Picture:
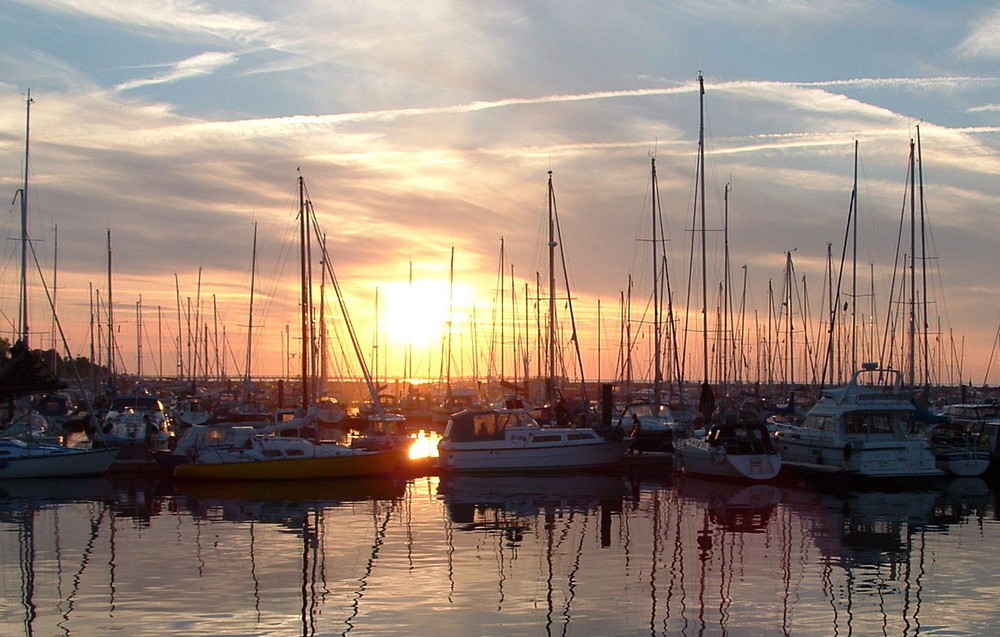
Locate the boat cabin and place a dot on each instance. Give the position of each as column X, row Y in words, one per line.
column 741, row 439
column 486, row 424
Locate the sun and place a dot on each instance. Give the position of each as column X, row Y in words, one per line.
column 415, row 313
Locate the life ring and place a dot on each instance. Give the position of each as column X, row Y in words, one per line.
column 719, row 455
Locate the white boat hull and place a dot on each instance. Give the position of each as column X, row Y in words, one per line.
column 695, row 458
column 965, row 464
column 866, row 458
column 503, row 456
column 60, row 462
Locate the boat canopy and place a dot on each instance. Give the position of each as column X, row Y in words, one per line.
column 473, row 425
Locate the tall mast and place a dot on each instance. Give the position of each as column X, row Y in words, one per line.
column 253, row 277
column 550, row 381
column 854, row 264
column 912, row 323
column 23, row 331
column 704, row 257
column 706, row 398
column 111, row 324
column 725, row 359
column 180, row 332
column 923, row 264
column 451, row 309
column 306, row 354
column 657, row 319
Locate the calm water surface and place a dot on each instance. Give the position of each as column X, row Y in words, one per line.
column 553, row 555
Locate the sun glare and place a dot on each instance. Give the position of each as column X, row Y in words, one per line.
column 424, row 446
column 415, row 313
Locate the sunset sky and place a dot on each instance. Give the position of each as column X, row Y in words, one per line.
column 422, row 128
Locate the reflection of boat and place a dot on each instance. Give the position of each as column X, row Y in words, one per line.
column 37, row 492
column 511, row 505
column 734, row 507
column 511, row 440
column 340, row 490
column 867, row 428
column 26, row 459
column 730, row 451
column 539, row 489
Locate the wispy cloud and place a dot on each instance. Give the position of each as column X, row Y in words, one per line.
column 170, row 15
column 202, row 64
column 984, row 40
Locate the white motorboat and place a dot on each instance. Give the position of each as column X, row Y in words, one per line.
column 982, row 420
column 137, row 419
column 269, row 453
column 191, row 411
column 958, row 452
column 741, row 451
column 652, row 424
column 867, row 428
column 511, row 440
column 27, row 459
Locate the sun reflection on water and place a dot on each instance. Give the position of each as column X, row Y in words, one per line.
column 424, row 445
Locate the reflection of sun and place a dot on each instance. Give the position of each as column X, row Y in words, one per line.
column 414, row 313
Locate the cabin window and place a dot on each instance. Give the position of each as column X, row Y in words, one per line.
column 547, row 438
column 580, row 436
column 869, row 423
column 882, row 423
column 272, row 453
column 820, row 423
column 295, row 452
column 486, row 426
column 856, row 423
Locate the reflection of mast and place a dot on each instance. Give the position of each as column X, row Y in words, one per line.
column 380, row 531
column 26, row 544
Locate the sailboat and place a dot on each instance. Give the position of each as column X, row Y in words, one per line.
column 872, row 427
column 652, row 422
column 492, row 439
column 734, row 451
column 23, row 456
column 285, row 451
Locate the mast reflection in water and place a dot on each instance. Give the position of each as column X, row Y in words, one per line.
column 490, row 555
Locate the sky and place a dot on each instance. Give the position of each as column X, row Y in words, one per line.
column 425, row 133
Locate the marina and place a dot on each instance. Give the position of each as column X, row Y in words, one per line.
column 658, row 319
column 620, row 553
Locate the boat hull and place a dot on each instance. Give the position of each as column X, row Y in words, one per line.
column 341, row 466
column 485, row 457
column 64, row 464
column 698, row 460
column 966, row 464
column 866, row 459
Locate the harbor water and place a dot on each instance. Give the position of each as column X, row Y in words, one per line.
column 611, row 554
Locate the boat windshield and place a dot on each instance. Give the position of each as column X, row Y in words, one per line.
column 468, row 426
